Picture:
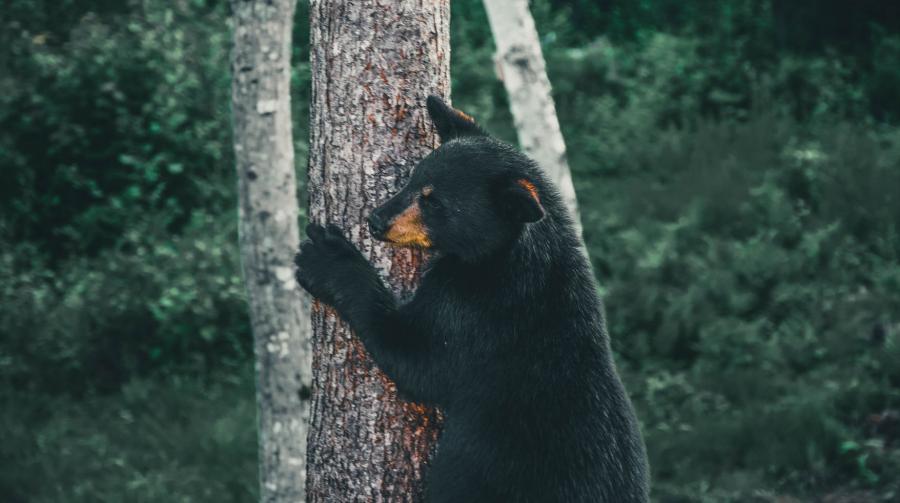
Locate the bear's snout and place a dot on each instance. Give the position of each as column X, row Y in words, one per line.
column 399, row 224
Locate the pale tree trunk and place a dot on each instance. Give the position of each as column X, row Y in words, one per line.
column 268, row 210
column 521, row 67
column 373, row 65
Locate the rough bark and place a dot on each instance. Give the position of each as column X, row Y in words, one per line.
column 373, row 64
column 268, row 210
column 521, row 67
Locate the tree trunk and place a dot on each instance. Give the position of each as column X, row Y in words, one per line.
column 521, row 67
column 373, row 64
column 268, row 211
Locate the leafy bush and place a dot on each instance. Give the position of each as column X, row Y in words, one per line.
column 157, row 301
column 751, row 282
column 177, row 438
column 736, row 188
column 119, row 117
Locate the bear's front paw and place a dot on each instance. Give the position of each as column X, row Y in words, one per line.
column 326, row 261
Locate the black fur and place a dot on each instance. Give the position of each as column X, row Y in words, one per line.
column 505, row 332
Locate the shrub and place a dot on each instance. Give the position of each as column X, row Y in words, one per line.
column 157, row 301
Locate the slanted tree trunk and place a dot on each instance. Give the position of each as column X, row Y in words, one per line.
column 269, row 236
column 521, row 67
column 373, row 64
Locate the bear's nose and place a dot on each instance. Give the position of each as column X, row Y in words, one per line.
column 377, row 225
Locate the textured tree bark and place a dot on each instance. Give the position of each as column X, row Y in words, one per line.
column 268, row 211
column 521, row 67
column 373, row 64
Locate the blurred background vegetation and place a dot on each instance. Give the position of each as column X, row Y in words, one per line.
column 738, row 169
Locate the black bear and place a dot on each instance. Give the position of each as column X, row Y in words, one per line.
column 505, row 333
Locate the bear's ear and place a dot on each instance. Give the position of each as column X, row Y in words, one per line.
column 523, row 201
column 450, row 122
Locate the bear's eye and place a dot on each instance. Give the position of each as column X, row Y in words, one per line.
column 428, row 199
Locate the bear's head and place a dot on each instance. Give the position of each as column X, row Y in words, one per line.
column 469, row 197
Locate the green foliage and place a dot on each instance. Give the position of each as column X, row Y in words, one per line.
column 178, row 438
column 158, row 300
column 736, row 171
column 119, row 117
column 753, row 309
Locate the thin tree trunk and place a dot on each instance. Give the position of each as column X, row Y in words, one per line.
column 373, row 64
column 268, row 210
column 521, row 67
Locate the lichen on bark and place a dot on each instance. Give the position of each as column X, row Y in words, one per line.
column 268, row 208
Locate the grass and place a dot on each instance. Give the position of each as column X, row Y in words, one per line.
column 166, row 438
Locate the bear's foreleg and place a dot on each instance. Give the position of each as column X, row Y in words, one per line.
column 335, row 272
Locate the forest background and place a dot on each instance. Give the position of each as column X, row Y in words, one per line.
column 737, row 164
